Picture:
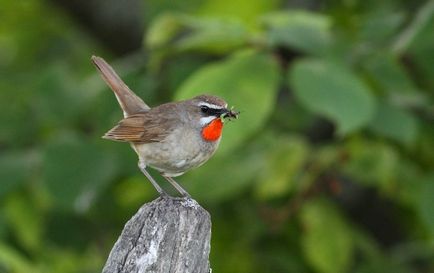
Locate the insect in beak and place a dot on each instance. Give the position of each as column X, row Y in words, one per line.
column 229, row 114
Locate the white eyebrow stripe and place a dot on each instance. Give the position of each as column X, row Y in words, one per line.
column 205, row 120
column 212, row 106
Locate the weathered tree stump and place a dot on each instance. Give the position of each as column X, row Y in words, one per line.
column 167, row 235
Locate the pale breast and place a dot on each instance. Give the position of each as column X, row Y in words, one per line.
column 181, row 151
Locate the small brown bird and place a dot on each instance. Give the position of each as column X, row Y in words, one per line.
column 171, row 138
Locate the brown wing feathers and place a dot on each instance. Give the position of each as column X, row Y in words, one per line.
column 128, row 129
column 139, row 128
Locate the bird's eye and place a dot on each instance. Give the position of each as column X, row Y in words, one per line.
column 204, row 109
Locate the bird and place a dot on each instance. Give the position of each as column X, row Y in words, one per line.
column 171, row 138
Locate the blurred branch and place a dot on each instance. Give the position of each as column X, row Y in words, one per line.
column 167, row 235
column 420, row 20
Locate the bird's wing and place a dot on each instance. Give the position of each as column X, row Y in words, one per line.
column 128, row 100
column 140, row 128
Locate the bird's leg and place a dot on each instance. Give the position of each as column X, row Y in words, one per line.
column 142, row 167
column 176, row 185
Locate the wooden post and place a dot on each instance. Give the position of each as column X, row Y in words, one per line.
column 167, row 235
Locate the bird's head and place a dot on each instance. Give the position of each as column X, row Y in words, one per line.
column 212, row 112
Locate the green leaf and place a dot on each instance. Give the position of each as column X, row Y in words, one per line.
column 248, row 81
column 395, row 123
column 285, row 159
column 305, row 31
column 379, row 25
column 326, row 241
column 390, row 74
column 179, row 33
column 76, row 172
column 246, row 10
column 393, row 80
column 332, row 90
column 421, row 52
column 25, row 220
column 13, row 260
column 372, row 163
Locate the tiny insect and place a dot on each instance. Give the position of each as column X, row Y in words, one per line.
column 232, row 114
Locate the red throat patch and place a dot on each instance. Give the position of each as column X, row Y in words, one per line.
column 213, row 130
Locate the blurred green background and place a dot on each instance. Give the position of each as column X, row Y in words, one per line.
column 329, row 169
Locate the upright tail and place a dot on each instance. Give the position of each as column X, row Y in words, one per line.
column 129, row 102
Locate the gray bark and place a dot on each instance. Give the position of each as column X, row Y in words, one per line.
column 167, row 235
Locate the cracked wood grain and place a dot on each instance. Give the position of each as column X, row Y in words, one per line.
column 170, row 235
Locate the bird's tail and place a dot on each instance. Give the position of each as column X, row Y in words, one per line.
column 129, row 102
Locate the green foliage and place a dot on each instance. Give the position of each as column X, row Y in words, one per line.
column 426, row 203
column 395, row 123
column 16, row 168
column 68, row 183
column 329, row 89
column 327, row 240
column 284, row 162
column 180, row 33
column 304, row 31
column 328, row 169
